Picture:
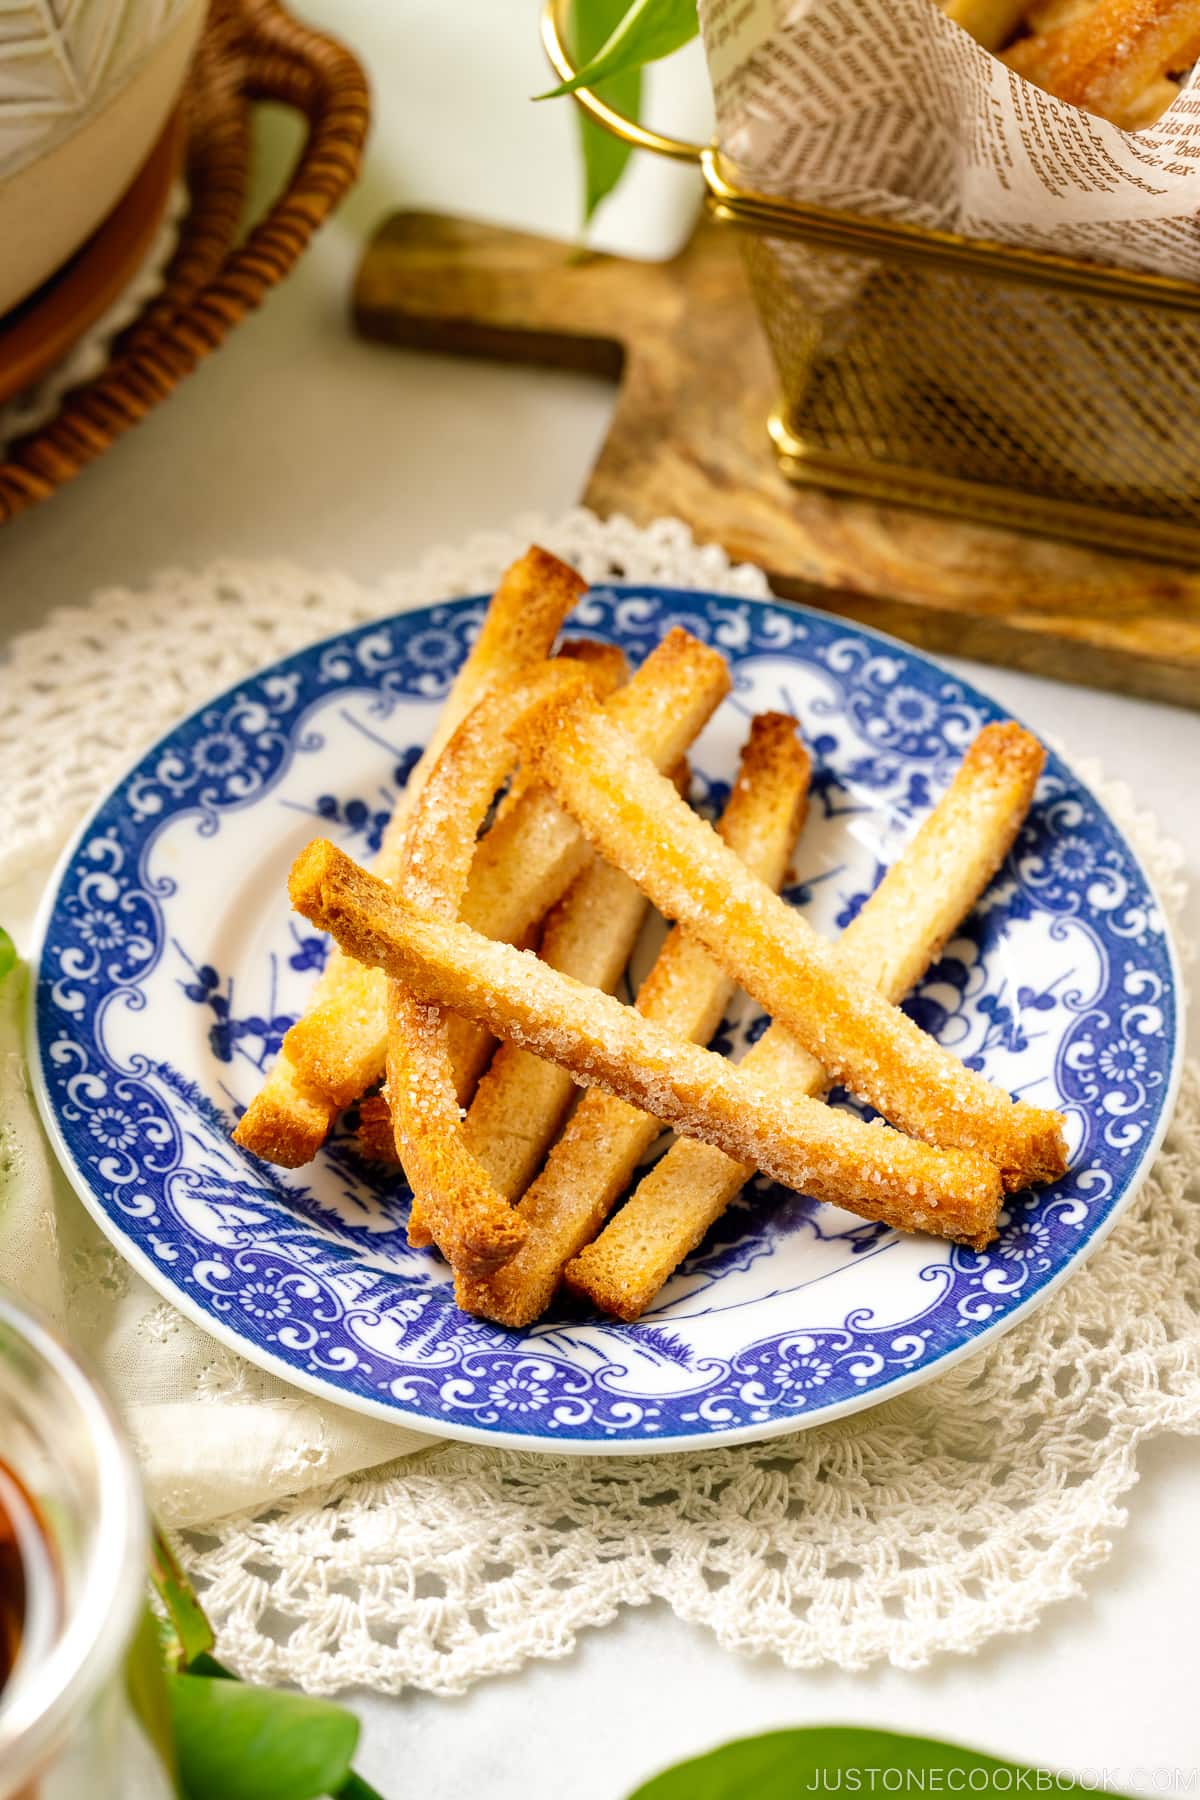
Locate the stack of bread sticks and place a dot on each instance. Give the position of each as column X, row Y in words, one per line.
column 1120, row 59
column 521, row 934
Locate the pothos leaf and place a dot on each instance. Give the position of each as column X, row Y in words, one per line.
column 146, row 1685
column 192, row 1632
column 249, row 1743
column 8, row 953
column 592, row 23
column 644, row 32
column 783, row 1764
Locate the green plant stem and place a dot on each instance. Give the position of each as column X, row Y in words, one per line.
column 355, row 1788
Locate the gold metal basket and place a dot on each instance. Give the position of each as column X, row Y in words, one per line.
column 972, row 378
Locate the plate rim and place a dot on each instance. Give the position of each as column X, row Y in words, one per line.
column 157, row 1276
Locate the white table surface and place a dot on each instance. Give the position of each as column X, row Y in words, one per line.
column 298, row 441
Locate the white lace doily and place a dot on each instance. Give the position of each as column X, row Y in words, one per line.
column 954, row 1512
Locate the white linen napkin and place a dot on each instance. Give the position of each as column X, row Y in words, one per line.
column 213, row 1434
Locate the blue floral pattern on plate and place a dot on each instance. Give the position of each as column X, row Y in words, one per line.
column 170, row 969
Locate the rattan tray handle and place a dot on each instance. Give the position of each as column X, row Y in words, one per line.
column 252, row 51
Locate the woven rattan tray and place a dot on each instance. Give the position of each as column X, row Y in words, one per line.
column 251, row 51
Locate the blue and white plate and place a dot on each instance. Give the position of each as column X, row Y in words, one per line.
column 170, row 969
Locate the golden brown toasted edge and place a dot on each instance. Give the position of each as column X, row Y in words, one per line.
column 592, row 1162
column 634, row 818
column 819, row 1150
column 1008, row 750
column 646, row 704
column 289, row 1118
column 899, row 932
column 286, row 1122
column 1114, row 59
column 774, row 759
column 607, row 664
column 532, row 598
column 472, row 1225
column 374, row 1135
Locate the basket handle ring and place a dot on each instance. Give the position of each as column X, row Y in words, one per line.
column 639, row 137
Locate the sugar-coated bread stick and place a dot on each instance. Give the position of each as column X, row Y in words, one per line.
column 900, row 930
column 1111, row 57
column 289, row 1119
column 638, row 822
column 685, row 991
column 521, row 1101
column 340, row 1044
column 598, row 895
column 532, row 854
column 816, row 1149
column 453, row 1199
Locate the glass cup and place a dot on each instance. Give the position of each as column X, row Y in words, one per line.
column 73, row 1530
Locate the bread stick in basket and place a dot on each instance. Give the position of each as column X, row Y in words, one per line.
column 901, row 929
column 1114, row 58
column 636, row 819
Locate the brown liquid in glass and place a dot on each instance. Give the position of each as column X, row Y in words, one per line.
column 12, row 1587
column 26, row 1567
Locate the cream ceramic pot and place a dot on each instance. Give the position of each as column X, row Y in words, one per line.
column 85, row 88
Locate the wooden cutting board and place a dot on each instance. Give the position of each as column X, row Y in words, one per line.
column 688, row 438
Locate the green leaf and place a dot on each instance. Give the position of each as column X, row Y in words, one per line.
column 193, row 1633
column 836, row 1759
column 146, row 1685
column 592, row 23
column 645, row 32
column 355, row 1788
column 248, row 1743
column 8, row 953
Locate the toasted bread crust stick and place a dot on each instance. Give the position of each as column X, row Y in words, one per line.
column 535, row 849
column 1113, row 57
column 289, row 1118
column 529, row 859
column 341, row 1045
column 453, row 1197
column 819, row 1150
column 901, row 929
column 686, row 991
column 521, row 1101
column 638, row 822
